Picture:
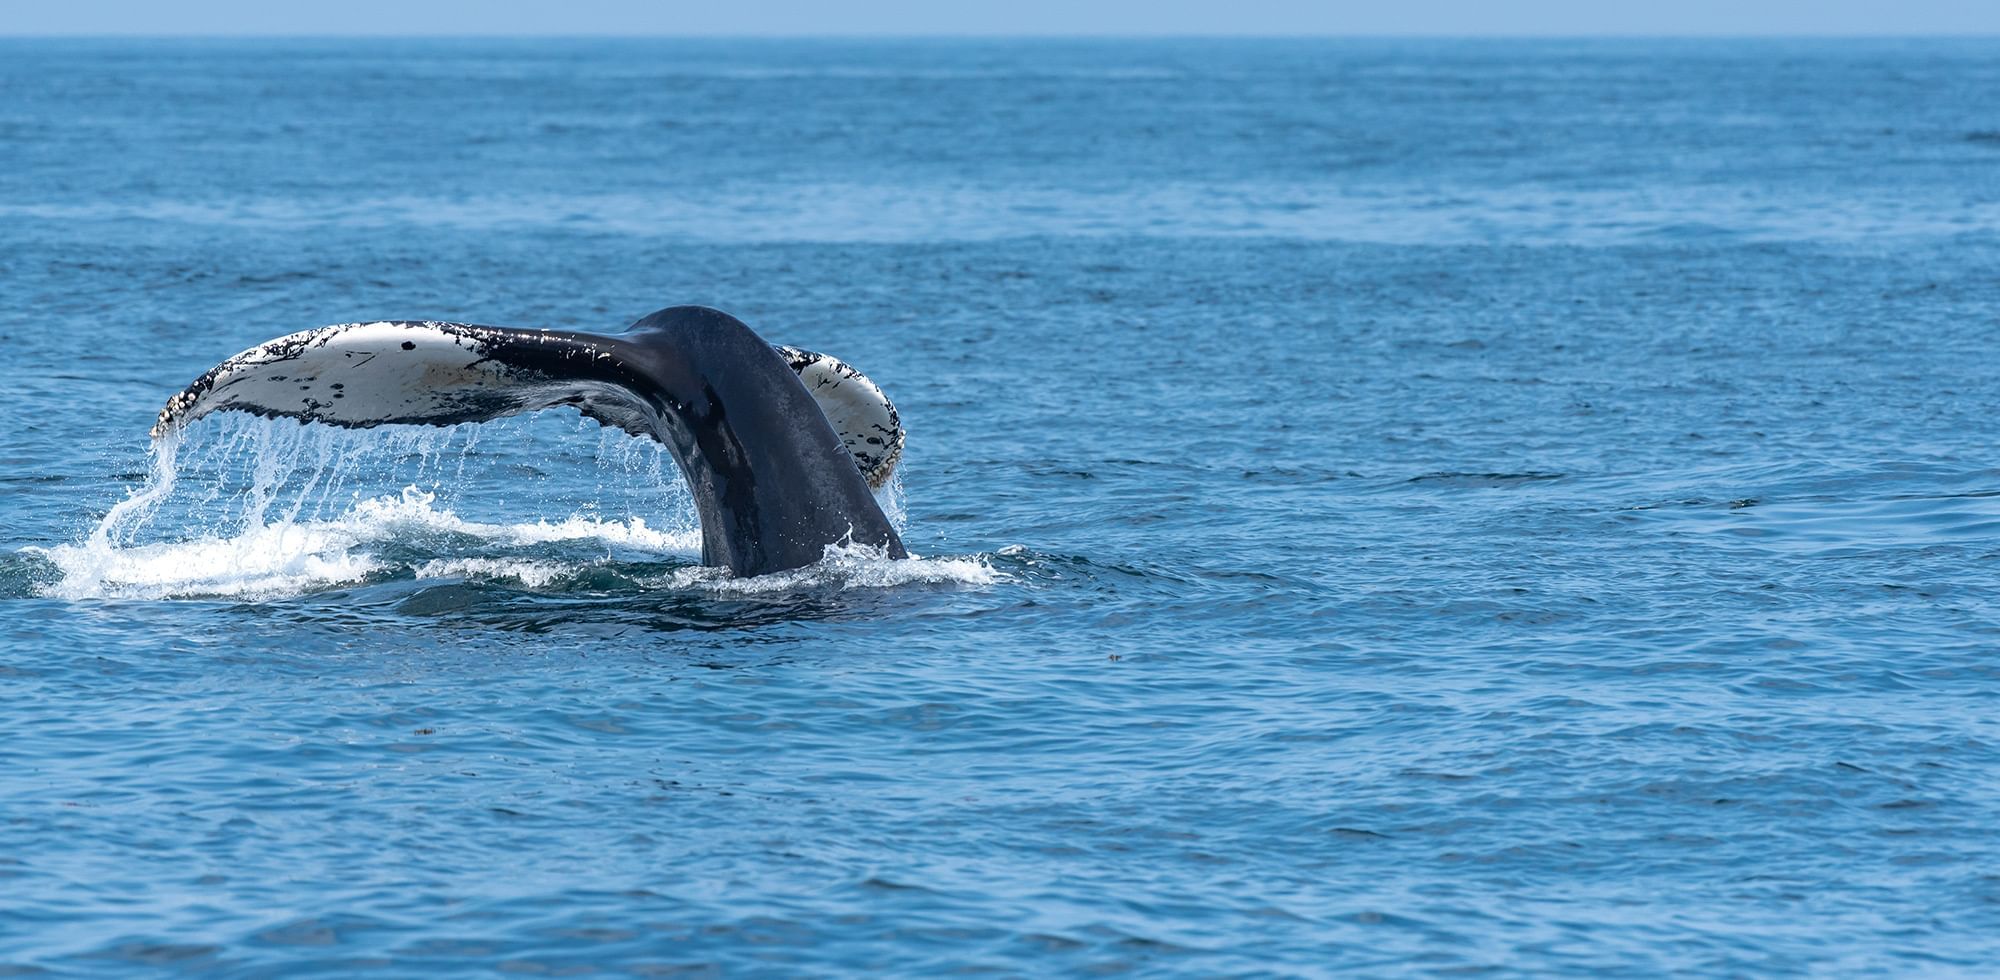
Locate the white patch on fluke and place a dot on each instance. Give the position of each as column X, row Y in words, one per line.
column 857, row 409
column 356, row 374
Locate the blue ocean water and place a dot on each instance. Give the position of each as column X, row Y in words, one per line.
column 1522, row 507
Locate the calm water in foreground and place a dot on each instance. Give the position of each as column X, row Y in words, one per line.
column 1384, row 506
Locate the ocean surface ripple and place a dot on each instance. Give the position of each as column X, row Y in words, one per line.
column 1396, row 507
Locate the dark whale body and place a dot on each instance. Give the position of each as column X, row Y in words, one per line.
column 773, row 482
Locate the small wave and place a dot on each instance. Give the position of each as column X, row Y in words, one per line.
column 1831, row 526
column 844, row 567
column 530, row 572
column 1493, row 480
column 413, row 511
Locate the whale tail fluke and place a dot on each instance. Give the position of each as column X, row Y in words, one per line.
column 780, row 446
column 409, row 372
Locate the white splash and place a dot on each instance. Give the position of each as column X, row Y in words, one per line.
column 530, row 572
column 270, row 561
column 844, row 567
column 890, row 498
column 252, row 509
column 291, row 557
column 414, row 513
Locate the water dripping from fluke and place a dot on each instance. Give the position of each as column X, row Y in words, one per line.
column 243, row 508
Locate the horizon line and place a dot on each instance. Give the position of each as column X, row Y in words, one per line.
column 994, row 36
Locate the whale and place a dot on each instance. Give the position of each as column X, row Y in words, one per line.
column 781, row 447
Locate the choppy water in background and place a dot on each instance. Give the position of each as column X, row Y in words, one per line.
column 1391, row 506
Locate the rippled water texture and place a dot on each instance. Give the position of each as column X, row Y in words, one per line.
column 1388, row 506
